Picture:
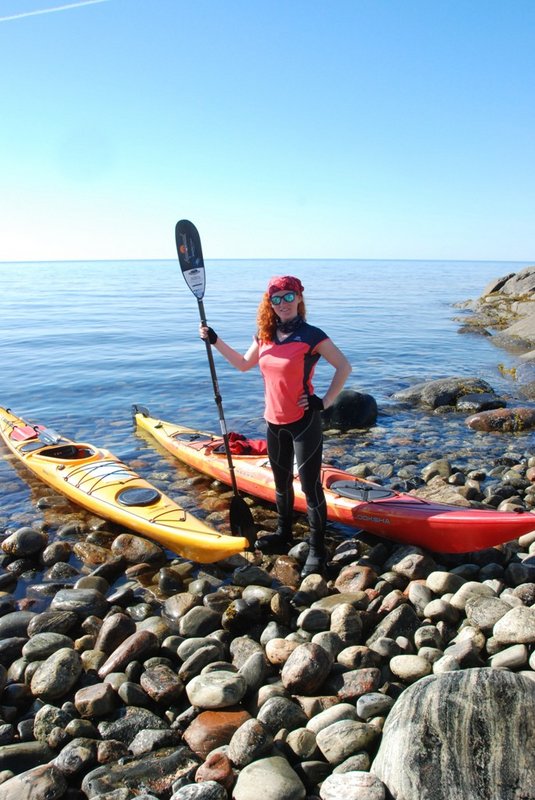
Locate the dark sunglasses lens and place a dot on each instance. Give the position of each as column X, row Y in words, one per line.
column 289, row 297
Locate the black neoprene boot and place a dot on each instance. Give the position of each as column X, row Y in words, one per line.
column 315, row 562
column 278, row 542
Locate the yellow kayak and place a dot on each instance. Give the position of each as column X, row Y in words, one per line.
column 98, row 481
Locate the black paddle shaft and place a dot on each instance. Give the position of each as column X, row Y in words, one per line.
column 188, row 245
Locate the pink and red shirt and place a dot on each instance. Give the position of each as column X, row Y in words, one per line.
column 287, row 368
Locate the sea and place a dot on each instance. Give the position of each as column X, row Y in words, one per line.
column 83, row 341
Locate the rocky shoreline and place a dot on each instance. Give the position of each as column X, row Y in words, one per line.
column 401, row 673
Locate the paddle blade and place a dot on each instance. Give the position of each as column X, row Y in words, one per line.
column 241, row 520
column 188, row 245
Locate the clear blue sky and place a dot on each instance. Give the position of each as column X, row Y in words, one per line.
column 282, row 128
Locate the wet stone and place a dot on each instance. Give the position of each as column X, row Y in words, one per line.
column 83, row 602
column 95, row 701
column 216, row 690
column 53, row 622
column 114, row 630
column 162, row 684
column 199, row 621
column 25, row 542
column 15, row 624
column 55, row 677
column 43, row 645
column 137, row 646
column 136, row 550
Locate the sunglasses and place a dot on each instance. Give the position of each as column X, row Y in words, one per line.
column 289, row 297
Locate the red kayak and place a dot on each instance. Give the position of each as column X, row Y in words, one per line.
column 351, row 501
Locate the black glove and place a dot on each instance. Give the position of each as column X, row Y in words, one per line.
column 315, row 403
column 212, row 336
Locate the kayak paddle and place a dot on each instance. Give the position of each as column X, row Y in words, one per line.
column 188, row 245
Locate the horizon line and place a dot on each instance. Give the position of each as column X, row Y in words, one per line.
column 260, row 258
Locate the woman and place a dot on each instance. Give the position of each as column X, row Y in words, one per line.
column 286, row 348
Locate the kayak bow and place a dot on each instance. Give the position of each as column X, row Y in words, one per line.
column 98, row 481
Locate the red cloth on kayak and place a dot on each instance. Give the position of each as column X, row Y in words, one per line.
column 242, row 446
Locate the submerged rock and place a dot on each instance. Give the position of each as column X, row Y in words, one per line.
column 510, row 420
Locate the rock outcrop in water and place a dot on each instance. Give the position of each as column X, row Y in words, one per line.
column 506, row 311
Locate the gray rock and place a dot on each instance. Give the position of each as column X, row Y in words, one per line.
column 345, row 738
column 484, row 612
column 15, row 624
column 514, row 658
column 474, row 731
column 127, row 727
column 273, row 777
column 77, row 756
column 25, row 542
column 341, row 711
column 40, row 783
column 206, row 790
column 84, row 602
column 374, row 704
column 55, row 677
column 250, row 742
column 402, row 621
column 442, row 392
column 355, row 785
column 280, row 712
column 306, row 669
column 216, row 689
column 516, row 627
column 43, row 645
column 156, row 772
column 24, row 755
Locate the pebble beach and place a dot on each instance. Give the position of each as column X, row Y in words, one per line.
column 128, row 672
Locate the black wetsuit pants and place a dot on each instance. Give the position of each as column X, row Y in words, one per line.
column 304, row 439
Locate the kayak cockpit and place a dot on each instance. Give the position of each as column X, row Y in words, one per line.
column 356, row 491
column 68, row 452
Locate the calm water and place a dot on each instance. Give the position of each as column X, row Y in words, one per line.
column 82, row 341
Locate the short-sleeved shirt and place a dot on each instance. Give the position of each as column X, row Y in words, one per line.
column 287, row 368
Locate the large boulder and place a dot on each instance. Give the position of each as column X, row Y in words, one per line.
column 461, row 735
column 351, row 409
column 444, row 392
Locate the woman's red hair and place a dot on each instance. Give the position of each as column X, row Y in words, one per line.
column 266, row 318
